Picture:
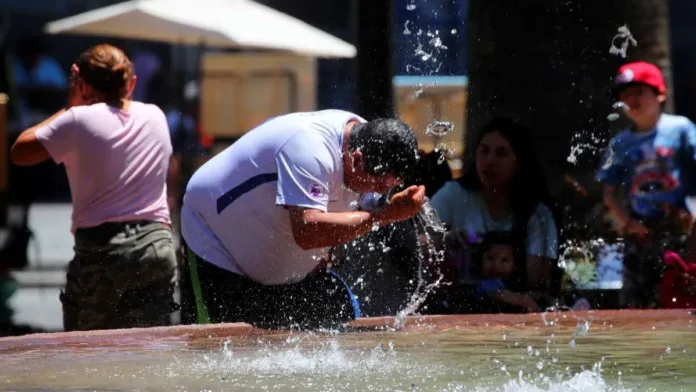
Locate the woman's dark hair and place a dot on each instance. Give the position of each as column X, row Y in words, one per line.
column 529, row 187
column 107, row 69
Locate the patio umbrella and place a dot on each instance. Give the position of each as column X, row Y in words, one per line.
column 213, row 23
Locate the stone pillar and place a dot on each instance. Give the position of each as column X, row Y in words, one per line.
column 374, row 61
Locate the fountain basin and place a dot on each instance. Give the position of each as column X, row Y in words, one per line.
column 593, row 351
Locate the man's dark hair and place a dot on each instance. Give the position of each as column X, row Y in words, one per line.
column 388, row 146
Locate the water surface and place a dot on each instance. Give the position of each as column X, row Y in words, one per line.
column 450, row 354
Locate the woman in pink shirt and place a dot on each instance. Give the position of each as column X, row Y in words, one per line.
column 116, row 152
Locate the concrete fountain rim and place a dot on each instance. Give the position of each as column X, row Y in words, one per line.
column 430, row 323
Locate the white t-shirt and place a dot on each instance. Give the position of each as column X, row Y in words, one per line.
column 465, row 210
column 116, row 162
column 233, row 213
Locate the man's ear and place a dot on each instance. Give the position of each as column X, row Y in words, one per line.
column 661, row 98
column 356, row 157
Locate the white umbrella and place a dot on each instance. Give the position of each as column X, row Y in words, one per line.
column 217, row 23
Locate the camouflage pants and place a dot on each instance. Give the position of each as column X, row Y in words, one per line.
column 643, row 259
column 123, row 276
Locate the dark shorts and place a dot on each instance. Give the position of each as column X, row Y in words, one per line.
column 123, row 276
column 321, row 300
column 643, row 260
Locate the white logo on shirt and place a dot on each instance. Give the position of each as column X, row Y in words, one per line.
column 626, row 76
column 315, row 190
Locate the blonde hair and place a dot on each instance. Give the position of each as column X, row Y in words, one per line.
column 107, row 69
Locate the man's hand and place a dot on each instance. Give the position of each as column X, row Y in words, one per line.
column 403, row 205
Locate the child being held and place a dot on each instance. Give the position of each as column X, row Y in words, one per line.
column 496, row 262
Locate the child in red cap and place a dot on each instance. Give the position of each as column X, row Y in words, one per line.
column 643, row 163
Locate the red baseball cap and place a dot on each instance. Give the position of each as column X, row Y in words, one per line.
column 641, row 72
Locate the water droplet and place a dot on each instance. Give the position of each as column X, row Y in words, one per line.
column 454, row 31
column 411, row 7
column 539, row 365
column 668, row 350
column 626, row 38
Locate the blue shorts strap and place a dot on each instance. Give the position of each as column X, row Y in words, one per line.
column 353, row 299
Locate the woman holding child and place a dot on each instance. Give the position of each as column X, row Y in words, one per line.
column 504, row 191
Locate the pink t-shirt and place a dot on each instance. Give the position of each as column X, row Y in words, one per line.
column 116, row 162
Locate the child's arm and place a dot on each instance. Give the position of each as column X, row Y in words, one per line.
column 611, row 174
column 626, row 224
column 516, row 299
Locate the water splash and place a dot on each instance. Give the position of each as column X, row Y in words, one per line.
column 619, row 109
column 293, row 357
column 582, row 326
column 428, row 221
column 619, row 46
column 439, row 128
column 428, row 47
column 625, row 38
column 447, row 152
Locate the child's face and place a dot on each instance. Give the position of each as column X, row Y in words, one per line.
column 498, row 261
column 643, row 101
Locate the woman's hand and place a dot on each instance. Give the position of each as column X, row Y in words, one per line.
column 76, row 93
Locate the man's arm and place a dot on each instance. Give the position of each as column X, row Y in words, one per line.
column 313, row 228
column 27, row 149
column 317, row 229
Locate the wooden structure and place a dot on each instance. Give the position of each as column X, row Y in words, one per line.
column 239, row 91
column 419, row 100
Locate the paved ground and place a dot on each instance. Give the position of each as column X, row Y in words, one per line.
column 36, row 303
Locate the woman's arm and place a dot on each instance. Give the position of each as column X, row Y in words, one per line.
column 516, row 299
column 539, row 273
column 27, row 149
column 541, row 249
